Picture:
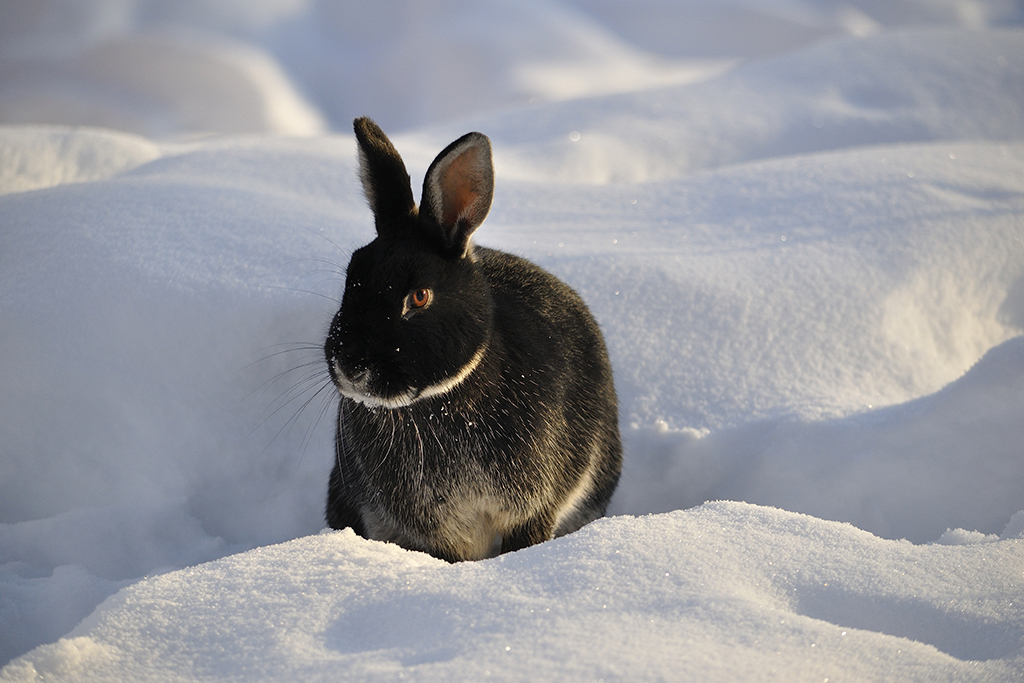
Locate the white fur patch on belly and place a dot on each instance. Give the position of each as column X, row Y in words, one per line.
column 474, row 527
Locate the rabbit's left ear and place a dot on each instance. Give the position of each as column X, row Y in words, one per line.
column 457, row 191
column 385, row 180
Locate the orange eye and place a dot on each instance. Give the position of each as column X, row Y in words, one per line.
column 419, row 298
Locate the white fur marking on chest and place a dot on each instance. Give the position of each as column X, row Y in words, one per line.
column 444, row 386
column 357, row 391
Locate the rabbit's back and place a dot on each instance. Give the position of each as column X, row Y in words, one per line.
column 547, row 329
column 555, row 364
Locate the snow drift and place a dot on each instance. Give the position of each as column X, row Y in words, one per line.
column 723, row 592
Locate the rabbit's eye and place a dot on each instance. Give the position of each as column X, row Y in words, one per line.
column 415, row 301
column 418, row 298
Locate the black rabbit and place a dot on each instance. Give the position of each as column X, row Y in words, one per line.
column 478, row 414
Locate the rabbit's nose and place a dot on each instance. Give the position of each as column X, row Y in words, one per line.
column 348, row 375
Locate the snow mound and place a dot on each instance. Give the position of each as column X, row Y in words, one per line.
column 160, row 84
column 761, row 28
column 226, row 66
column 32, row 158
column 723, row 592
column 469, row 56
column 909, row 471
column 815, row 286
column 890, row 88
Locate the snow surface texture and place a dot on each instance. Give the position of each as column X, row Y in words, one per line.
column 800, row 224
column 727, row 591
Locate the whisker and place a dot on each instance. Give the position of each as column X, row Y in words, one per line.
column 419, row 440
column 391, row 443
column 290, row 422
column 326, row 403
column 330, row 241
column 341, row 441
column 321, row 372
column 295, row 393
column 283, row 348
column 336, row 266
column 305, row 291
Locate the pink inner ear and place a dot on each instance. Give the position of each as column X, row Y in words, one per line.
column 459, row 189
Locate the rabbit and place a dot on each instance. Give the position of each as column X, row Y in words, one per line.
column 478, row 414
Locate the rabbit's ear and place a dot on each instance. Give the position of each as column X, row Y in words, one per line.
column 458, row 189
column 385, row 180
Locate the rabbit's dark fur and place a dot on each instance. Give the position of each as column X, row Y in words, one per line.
column 478, row 414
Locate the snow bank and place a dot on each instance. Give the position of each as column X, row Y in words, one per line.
column 761, row 28
column 33, row 158
column 160, row 84
column 816, row 286
column 416, row 63
column 723, row 592
column 891, row 88
column 911, row 471
column 287, row 66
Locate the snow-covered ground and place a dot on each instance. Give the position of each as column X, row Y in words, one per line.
column 799, row 223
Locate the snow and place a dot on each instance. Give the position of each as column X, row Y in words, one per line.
column 726, row 591
column 800, row 225
column 36, row 158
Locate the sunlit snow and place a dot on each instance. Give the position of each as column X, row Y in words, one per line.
column 799, row 224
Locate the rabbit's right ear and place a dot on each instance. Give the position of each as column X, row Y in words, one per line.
column 457, row 191
column 385, row 180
